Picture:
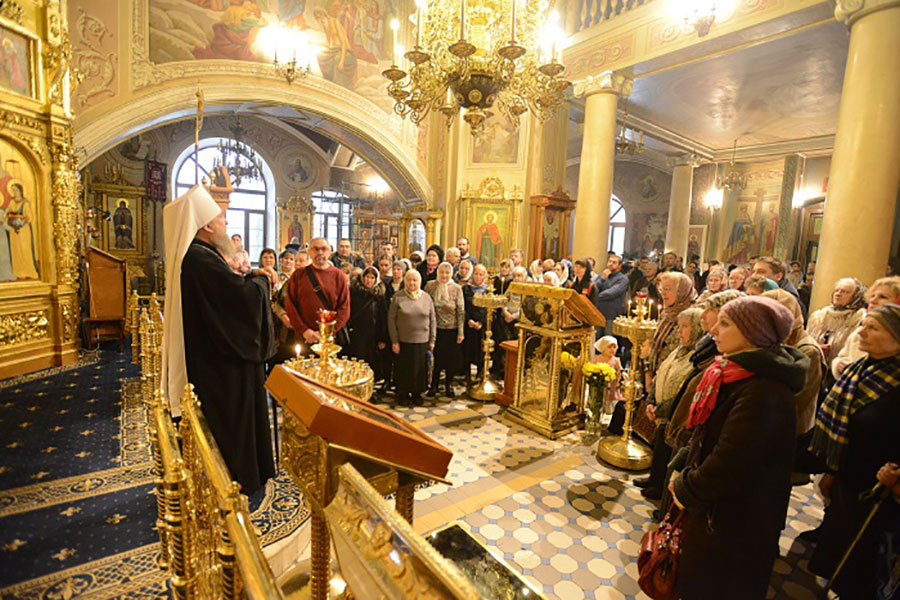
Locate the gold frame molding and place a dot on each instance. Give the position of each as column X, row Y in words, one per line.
column 492, row 193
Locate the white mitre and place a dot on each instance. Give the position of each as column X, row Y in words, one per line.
column 182, row 219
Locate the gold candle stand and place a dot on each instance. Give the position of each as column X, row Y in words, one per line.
column 623, row 450
column 487, row 388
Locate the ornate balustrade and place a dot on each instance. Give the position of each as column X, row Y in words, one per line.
column 207, row 542
column 578, row 15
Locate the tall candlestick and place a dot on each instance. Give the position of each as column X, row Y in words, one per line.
column 629, row 308
column 395, row 25
column 513, row 37
column 462, row 19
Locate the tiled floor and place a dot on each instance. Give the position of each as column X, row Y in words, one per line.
column 568, row 523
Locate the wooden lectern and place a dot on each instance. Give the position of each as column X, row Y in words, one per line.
column 106, row 298
column 325, row 427
column 556, row 328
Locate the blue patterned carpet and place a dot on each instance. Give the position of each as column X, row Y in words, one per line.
column 77, row 510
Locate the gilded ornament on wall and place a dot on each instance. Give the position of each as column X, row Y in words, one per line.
column 23, row 327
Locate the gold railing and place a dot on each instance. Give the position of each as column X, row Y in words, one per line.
column 578, row 15
column 136, row 304
column 208, row 545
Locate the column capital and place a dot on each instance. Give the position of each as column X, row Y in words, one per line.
column 688, row 159
column 849, row 12
column 607, row 82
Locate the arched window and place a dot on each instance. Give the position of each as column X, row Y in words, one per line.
column 334, row 213
column 616, row 226
column 251, row 213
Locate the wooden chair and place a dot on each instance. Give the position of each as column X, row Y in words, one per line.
column 106, row 298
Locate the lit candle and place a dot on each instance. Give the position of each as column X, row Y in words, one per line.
column 462, row 19
column 297, row 349
column 395, row 25
column 514, row 20
column 629, row 308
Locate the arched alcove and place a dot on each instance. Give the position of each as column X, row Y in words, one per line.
column 324, row 107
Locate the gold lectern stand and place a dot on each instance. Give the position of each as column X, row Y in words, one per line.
column 487, row 389
column 556, row 326
column 623, row 451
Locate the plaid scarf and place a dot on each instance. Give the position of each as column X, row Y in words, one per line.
column 862, row 383
column 720, row 371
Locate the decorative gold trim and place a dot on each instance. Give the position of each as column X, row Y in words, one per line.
column 18, row 328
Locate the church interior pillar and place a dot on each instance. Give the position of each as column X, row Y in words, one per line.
column 598, row 154
column 865, row 167
column 786, row 206
column 679, row 209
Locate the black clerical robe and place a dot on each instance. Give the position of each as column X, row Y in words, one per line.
column 227, row 339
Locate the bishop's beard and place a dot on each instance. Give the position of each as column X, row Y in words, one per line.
column 222, row 242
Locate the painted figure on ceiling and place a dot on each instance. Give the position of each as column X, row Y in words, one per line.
column 336, row 61
column 290, row 13
column 20, row 217
column 234, row 35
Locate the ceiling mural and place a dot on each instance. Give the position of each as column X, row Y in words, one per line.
column 352, row 48
column 788, row 88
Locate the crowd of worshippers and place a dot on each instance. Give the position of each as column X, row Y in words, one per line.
column 745, row 395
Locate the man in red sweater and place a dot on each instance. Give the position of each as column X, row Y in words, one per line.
column 302, row 302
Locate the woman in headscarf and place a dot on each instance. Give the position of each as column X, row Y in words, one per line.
column 367, row 326
column 677, row 437
column 831, row 325
column 550, row 278
column 856, row 435
column 450, row 309
column 671, row 375
column 476, row 318
column 391, row 287
column 562, row 272
column 536, row 270
column 463, row 272
column 428, row 269
column 676, row 291
column 884, row 291
column 736, row 486
column 606, row 348
column 503, row 278
column 716, row 281
column 412, row 326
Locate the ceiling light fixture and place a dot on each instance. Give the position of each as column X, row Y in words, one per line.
column 734, row 179
column 491, row 53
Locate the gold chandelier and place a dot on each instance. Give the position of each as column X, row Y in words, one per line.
column 501, row 54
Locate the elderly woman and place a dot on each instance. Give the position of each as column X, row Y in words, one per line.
column 884, row 291
column 428, row 269
column 550, row 278
column 735, row 488
column 831, row 325
column 671, row 375
column 464, row 272
column 391, row 287
column 366, row 326
column 856, row 434
column 504, row 324
column 716, row 281
column 736, row 278
column 503, row 278
column 412, row 326
column 450, row 309
column 536, row 270
column 476, row 318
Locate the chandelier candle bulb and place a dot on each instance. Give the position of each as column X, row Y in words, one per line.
column 513, row 36
column 395, row 25
column 462, row 19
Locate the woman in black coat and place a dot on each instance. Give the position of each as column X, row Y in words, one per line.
column 736, row 486
column 476, row 319
column 856, row 435
column 367, row 325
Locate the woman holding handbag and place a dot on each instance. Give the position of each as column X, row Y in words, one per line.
column 736, row 484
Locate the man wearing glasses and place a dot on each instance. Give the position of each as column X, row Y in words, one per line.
column 318, row 285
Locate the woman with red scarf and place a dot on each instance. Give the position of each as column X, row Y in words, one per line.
column 736, row 484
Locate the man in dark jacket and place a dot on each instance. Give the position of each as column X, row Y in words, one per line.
column 774, row 269
column 345, row 254
column 612, row 286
